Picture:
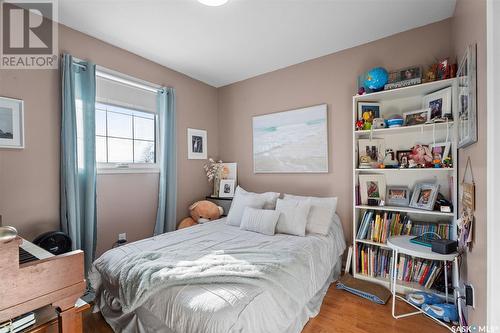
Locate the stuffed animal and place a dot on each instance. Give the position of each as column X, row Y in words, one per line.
column 421, row 155
column 201, row 212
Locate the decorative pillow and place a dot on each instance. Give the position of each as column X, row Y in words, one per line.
column 270, row 197
column 260, row 220
column 240, row 202
column 321, row 214
column 293, row 216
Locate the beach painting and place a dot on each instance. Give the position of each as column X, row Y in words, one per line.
column 293, row 141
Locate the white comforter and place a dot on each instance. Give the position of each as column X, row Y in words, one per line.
column 271, row 305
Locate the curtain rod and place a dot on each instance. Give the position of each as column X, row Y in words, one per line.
column 116, row 78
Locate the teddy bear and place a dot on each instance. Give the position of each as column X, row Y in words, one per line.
column 421, row 155
column 201, row 212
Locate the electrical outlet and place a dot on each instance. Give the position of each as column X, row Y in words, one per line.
column 122, row 237
column 469, row 295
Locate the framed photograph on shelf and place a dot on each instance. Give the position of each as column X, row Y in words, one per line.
column 440, row 104
column 467, row 117
column 368, row 111
column 230, row 171
column 197, row 144
column 403, row 158
column 370, row 152
column 417, row 117
column 226, row 188
column 440, row 150
column 11, row 123
column 398, row 196
column 424, row 196
column 372, row 187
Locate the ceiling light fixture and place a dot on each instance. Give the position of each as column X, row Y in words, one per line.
column 213, row 3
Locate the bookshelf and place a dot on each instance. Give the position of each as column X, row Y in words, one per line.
column 392, row 102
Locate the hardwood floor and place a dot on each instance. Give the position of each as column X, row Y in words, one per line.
column 340, row 312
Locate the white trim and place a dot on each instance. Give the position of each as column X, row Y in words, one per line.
column 493, row 160
column 126, row 79
column 107, row 171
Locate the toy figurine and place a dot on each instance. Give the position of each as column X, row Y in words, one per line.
column 361, row 91
column 359, row 125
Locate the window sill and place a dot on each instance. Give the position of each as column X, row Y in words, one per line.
column 109, row 171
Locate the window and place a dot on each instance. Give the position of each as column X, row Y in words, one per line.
column 125, row 136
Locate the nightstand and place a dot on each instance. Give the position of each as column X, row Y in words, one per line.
column 402, row 245
column 225, row 203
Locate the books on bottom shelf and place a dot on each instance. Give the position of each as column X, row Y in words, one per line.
column 376, row 262
column 18, row 324
column 378, row 226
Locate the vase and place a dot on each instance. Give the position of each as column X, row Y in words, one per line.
column 216, row 187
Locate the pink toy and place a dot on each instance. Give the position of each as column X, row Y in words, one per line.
column 421, row 155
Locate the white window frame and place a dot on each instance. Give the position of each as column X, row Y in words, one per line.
column 112, row 168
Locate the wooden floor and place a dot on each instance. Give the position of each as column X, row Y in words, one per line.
column 340, row 312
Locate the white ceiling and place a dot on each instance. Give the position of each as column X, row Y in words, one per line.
column 244, row 38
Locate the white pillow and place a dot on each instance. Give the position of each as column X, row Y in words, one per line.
column 321, row 214
column 259, row 220
column 270, row 197
column 240, row 202
column 293, row 217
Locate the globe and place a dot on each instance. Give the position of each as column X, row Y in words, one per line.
column 376, row 78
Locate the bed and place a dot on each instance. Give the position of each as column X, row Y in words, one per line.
column 279, row 302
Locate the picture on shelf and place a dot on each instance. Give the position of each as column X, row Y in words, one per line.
column 398, row 196
column 439, row 103
column 372, row 187
column 424, row 196
column 420, row 155
column 368, row 111
column 403, row 158
column 226, row 188
column 417, row 117
column 440, row 151
column 370, row 151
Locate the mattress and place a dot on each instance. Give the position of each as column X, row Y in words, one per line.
column 224, row 307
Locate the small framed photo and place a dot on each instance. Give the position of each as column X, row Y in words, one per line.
column 440, row 150
column 424, row 196
column 197, row 144
column 230, row 171
column 372, row 187
column 226, row 188
column 417, row 117
column 11, row 123
column 403, row 157
column 370, row 151
column 368, row 111
column 440, row 104
column 398, row 196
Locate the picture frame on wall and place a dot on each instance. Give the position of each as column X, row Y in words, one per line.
column 424, row 196
column 197, row 144
column 467, row 107
column 439, row 103
column 11, row 123
column 372, row 187
column 226, row 188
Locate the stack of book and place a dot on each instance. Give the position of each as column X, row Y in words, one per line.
column 18, row 324
column 378, row 226
column 374, row 261
column 422, row 271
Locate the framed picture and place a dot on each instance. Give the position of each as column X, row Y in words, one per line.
column 424, row 196
column 226, row 188
column 403, row 158
column 467, row 117
column 293, row 141
column 417, row 117
column 11, row 123
column 230, row 171
column 368, row 111
column 197, row 144
column 440, row 150
column 371, row 187
column 370, row 151
column 440, row 104
column 398, row 196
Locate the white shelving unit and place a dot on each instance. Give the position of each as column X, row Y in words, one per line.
column 399, row 101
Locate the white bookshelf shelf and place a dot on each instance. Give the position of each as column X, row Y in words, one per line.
column 399, row 101
column 404, row 210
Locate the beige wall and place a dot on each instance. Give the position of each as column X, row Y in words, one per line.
column 29, row 178
column 469, row 26
column 332, row 80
